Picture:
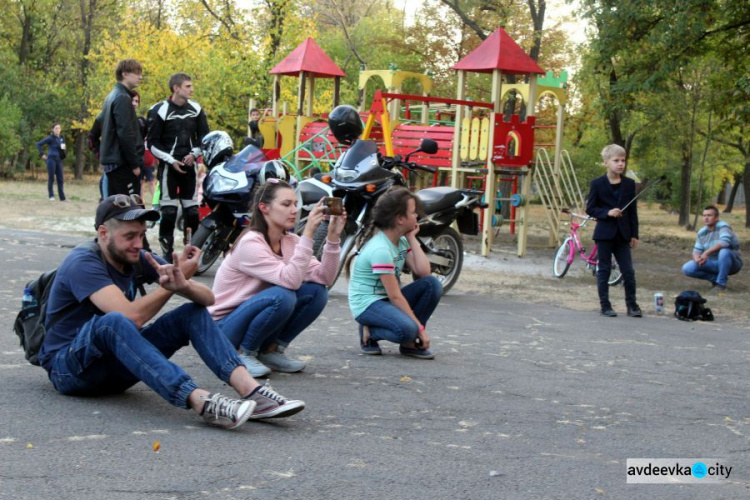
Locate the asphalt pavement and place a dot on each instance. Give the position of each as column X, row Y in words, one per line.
column 522, row 401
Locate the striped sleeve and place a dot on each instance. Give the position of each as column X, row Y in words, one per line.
column 381, row 262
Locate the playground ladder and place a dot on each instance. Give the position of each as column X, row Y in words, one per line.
column 557, row 190
column 329, row 156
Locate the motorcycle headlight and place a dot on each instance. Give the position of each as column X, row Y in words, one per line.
column 218, row 182
column 345, row 175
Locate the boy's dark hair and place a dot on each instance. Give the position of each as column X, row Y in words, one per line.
column 712, row 207
column 178, row 79
column 254, row 110
column 127, row 66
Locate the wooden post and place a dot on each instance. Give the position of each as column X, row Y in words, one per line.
column 336, row 90
column 276, row 93
column 250, row 105
column 311, row 96
column 456, row 153
column 300, row 113
column 559, row 137
column 523, row 211
column 301, row 94
column 425, row 111
column 490, row 189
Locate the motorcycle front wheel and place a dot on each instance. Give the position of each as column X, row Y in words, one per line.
column 212, row 244
column 448, row 244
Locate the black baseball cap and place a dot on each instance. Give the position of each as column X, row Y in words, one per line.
column 123, row 207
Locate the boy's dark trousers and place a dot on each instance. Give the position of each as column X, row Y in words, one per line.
column 620, row 248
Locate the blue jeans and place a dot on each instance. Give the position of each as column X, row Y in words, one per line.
column 620, row 248
column 55, row 170
column 274, row 316
column 388, row 322
column 110, row 354
column 715, row 270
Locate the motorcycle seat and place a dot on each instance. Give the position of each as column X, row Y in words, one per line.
column 438, row 199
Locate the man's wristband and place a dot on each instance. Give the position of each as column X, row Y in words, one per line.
column 421, row 328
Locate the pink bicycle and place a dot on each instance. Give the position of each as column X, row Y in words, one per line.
column 572, row 244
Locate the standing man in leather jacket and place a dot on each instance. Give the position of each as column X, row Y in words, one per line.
column 176, row 127
column 121, row 151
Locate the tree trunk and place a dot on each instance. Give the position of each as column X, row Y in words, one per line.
column 536, row 10
column 87, row 26
column 80, row 145
column 746, row 187
column 736, row 181
column 27, row 36
column 613, row 117
column 685, row 172
column 722, row 194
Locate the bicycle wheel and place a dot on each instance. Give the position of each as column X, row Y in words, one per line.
column 615, row 277
column 561, row 264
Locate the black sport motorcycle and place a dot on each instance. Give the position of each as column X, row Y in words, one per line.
column 362, row 175
column 228, row 189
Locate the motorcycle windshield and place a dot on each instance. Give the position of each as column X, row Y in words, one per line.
column 359, row 151
column 249, row 159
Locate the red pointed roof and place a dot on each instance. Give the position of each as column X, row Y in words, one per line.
column 310, row 58
column 498, row 51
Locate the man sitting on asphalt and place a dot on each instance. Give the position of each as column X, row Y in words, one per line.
column 96, row 342
column 716, row 254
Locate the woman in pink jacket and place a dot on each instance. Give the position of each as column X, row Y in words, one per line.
column 270, row 287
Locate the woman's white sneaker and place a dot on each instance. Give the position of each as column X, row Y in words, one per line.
column 280, row 362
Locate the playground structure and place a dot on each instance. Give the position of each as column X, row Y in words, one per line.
column 479, row 144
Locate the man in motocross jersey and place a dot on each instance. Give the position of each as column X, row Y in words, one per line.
column 175, row 129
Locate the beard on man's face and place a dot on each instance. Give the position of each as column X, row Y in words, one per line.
column 119, row 256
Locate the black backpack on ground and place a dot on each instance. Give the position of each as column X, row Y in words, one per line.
column 689, row 306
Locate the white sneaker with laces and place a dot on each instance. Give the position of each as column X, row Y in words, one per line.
column 271, row 404
column 226, row 412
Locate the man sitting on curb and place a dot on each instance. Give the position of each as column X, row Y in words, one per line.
column 96, row 342
column 716, row 253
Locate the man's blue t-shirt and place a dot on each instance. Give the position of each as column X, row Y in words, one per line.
column 83, row 273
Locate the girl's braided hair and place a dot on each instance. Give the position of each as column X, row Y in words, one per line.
column 392, row 204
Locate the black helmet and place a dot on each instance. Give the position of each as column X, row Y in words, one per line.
column 345, row 123
column 217, row 147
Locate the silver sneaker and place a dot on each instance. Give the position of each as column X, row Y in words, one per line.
column 255, row 367
column 280, row 362
column 226, row 412
column 271, row 404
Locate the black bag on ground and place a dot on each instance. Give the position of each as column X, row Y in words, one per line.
column 29, row 325
column 689, row 306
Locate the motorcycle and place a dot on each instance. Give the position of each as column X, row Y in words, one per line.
column 362, row 175
column 228, row 190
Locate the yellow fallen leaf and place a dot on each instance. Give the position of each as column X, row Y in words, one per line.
column 157, row 446
column 406, row 378
column 29, row 446
column 600, row 491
